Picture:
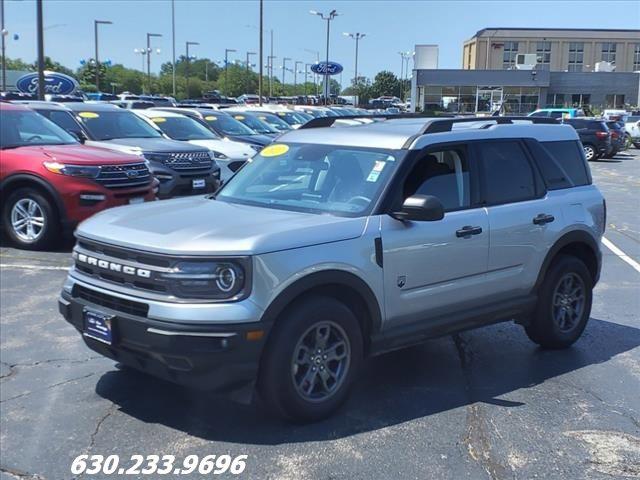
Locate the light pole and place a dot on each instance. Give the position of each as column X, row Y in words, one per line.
column 284, row 68
column 149, row 51
column 271, row 58
column 261, row 53
column 188, row 59
column 330, row 16
column 3, row 34
column 246, row 84
column 226, row 67
column 295, row 77
column 403, row 56
column 306, row 73
column 95, row 34
column 356, row 36
column 40, row 27
column 315, row 75
column 173, row 46
column 142, row 52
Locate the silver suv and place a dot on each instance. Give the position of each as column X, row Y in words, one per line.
column 336, row 244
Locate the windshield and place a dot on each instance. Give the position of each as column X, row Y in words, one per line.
column 276, row 122
column 227, row 125
column 183, row 128
column 255, row 123
column 116, row 124
column 20, row 129
column 338, row 180
column 291, row 118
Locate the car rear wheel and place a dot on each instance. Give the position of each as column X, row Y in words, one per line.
column 564, row 304
column 310, row 360
column 30, row 220
column 590, row 152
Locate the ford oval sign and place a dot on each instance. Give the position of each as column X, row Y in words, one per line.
column 54, row 83
column 326, row 68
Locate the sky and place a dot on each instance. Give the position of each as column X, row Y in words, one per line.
column 390, row 27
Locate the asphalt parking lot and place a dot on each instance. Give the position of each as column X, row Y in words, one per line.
column 483, row 404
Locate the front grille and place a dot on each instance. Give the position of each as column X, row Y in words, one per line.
column 184, row 161
column 114, row 303
column 124, row 176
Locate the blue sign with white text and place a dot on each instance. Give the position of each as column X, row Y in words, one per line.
column 54, row 83
column 326, row 68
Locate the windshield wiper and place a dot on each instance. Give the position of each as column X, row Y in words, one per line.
column 9, row 147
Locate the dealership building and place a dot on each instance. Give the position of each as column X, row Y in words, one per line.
column 520, row 69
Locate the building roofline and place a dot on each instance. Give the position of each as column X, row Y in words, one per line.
column 537, row 29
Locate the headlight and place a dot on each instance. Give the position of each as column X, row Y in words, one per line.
column 217, row 155
column 72, row 170
column 215, row 280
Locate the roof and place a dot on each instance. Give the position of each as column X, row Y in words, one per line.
column 42, row 105
column 11, row 106
column 525, row 29
column 396, row 134
column 93, row 107
column 158, row 113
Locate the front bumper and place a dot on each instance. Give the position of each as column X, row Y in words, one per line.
column 175, row 183
column 212, row 356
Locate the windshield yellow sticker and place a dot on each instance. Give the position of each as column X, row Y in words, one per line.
column 275, row 150
column 88, row 115
column 209, row 118
column 282, row 114
column 158, row 119
column 239, row 117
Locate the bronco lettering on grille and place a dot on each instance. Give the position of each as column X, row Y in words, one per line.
column 114, row 267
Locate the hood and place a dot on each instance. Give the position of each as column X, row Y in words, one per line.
column 233, row 150
column 74, row 153
column 158, row 144
column 258, row 139
column 203, row 226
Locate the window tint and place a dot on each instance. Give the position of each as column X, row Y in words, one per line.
column 540, row 114
column 508, row 176
column 62, row 119
column 564, row 166
column 557, row 114
column 443, row 174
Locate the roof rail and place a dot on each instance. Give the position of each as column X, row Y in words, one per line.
column 328, row 121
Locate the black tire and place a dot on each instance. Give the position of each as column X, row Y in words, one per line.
column 590, row 152
column 546, row 327
column 637, row 145
column 277, row 384
column 49, row 233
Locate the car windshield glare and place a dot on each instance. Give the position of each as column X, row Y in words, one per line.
column 107, row 125
column 324, row 179
column 28, row 128
column 228, row 125
column 183, row 128
column 255, row 124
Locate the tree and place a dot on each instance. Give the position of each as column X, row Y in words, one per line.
column 54, row 66
column 203, row 68
column 17, row 64
column 385, row 83
column 87, row 73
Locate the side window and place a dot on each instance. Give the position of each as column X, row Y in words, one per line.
column 443, row 174
column 557, row 114
column 64, row 120
column 540, row 114
column 508, row 176
column 564, row 167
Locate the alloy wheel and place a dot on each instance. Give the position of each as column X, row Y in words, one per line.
column 27, row 220
column 568, row 302
column 589, row 152
column 321, row 361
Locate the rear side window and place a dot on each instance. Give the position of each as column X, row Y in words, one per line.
column 564, row 166
column 507, row 173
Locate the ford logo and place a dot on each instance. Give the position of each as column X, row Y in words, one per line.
column 326, row 68
column 132, row 173
column 54, row 83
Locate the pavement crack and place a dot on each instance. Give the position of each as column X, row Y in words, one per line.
column 48, row 388
column 15, row 473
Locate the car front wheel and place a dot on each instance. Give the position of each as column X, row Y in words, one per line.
column 30, row 220
column 590, row 152
column 310, row 360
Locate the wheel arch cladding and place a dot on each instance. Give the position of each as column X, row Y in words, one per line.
column 343, row 286
column 578, row 244
column 15, row 182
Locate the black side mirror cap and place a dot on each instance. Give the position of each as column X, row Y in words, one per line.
column 79, row 136
column 420, row 208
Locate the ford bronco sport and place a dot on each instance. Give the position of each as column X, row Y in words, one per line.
column 335, row 244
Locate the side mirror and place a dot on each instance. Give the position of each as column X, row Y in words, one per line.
column 420, row 208
column 79, row 135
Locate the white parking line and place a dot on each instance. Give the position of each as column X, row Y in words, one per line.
column 623, row 256
column 32, row 267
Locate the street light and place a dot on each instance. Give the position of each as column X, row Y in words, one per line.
column 315, row 75
column 226, row 65
column 270, row 60
column 295, row 76
column 3, row 33
column 246, row 84
column 188, row 44
column 356, row 36
column 306, row 73
column 404, row 56
column 95, row 33
column 149, row 51
column 330, row 16
column 142, row 52
column 284, row 67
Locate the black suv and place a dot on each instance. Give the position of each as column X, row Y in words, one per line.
column 594, row 135
column 618, row 137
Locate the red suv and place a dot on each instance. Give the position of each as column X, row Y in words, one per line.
column 49, row 182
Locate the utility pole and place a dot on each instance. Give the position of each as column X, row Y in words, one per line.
column 95, row 33
column 260, row 61
column 356, row 36
column 149, row 51
column 295, row 77
column 270, row 69
column 330, row 16
column 40, row 27
column 226, row 67
column 188, row 60
column 284, row 68
column 173, row 46
column 3, row 34
column 246, row 84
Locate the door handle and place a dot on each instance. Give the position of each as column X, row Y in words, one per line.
column 543, row 219
column 467, row 231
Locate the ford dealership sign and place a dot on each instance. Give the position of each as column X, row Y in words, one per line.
column 54, row 83
column 326, row 68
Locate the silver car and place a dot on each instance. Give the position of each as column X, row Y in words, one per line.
column 338, row 243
